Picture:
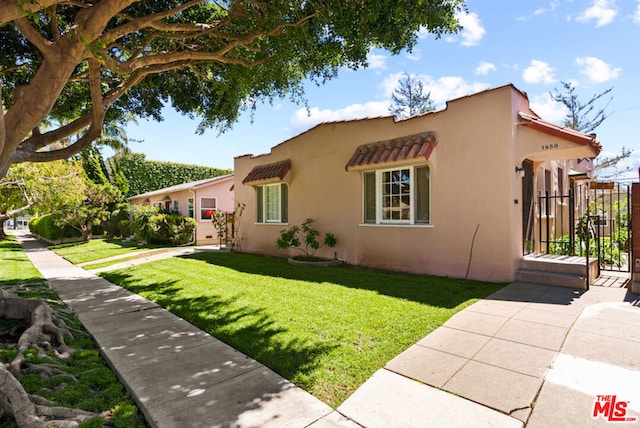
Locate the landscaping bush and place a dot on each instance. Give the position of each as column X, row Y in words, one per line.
column 141, row 226
column 45, row 227
column 153, row 227
column 124, row 228
column 304, row 238
column 98, row 229
column 120, row 214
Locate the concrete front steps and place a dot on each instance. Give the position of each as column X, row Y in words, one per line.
column 561, row 271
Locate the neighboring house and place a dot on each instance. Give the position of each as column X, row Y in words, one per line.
column 197, row 199
column 451, row 192
column 21, row 222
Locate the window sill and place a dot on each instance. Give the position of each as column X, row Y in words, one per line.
column 271, row 224
column 401, row 225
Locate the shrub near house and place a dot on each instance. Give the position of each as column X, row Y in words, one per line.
column 305, row 238
column 153, row 227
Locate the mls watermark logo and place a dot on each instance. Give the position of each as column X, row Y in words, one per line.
column 612, row 410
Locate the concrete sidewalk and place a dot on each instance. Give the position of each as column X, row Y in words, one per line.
column 529, row 355
column 540, row 355
column 179, row 375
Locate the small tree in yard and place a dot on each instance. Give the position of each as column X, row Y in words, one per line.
column 73, row 199
column 223, row 221
column 304, row 238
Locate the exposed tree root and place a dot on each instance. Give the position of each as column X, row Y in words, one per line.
column 15, row 402
column 45, row 332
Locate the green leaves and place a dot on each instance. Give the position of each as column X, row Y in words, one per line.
column 304, row 238
column 208, row 59
column 145, row 175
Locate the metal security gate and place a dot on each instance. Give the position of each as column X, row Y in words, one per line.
column 596, row 222
column 610, row 225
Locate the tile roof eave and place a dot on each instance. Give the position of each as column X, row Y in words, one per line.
column 552, row 129
column 398, row 149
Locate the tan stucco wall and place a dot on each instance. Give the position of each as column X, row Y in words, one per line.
column 473, row 186
column 221, row 190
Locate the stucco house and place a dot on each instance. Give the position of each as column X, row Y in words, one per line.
column 450, row 192
column 196, row 199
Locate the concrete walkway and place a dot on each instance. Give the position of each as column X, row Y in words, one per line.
column 526, row 345
column 178, row 375
column 540, row 355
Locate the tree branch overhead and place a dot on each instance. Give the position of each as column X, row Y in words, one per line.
column 208, row 57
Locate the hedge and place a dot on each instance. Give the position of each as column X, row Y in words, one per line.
column 153, row 227
column 45, row 227
column 146, row 175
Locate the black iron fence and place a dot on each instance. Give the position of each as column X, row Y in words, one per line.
column 602, row 230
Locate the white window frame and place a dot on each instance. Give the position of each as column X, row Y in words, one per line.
column 265, row 212
column 191, row 208
column 379, row 174
column 175, row 205
column 282, row 205
column 215, row 207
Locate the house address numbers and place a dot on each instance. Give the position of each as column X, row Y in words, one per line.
column 549, row 146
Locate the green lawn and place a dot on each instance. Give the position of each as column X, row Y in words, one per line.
column 97, row 249
column 15, row 266
column 95, row 387
column 325, row 329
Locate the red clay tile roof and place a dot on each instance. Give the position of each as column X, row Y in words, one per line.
column 397, row 149
column 560, row 132
column 265, row 172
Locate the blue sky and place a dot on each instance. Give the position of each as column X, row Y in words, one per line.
column 532, row 44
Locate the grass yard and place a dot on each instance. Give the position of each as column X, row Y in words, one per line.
column 15, row 266
column 325, row 329
column 97, row 249
column 94, row 387
column 85, row 381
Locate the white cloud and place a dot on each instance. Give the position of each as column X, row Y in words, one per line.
column 377, row 61
column 390, row 83
column 542, row 10
column 602, row 11
column 472, row 29
column 484, row 68
column 303, row 119
column 548, row 109
column 451, row 87
column 414, row 56
column 441, row 90
column 538, row 71
column 636, row 14
column 596, row 69
column 553, row 5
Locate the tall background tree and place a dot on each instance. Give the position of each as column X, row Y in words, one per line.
column 410, row 98
column 586, row 117
column 80, row 64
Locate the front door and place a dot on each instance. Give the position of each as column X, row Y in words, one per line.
column 528, row 240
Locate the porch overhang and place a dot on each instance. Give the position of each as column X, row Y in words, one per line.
column 401, row 150
column 541, row 141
